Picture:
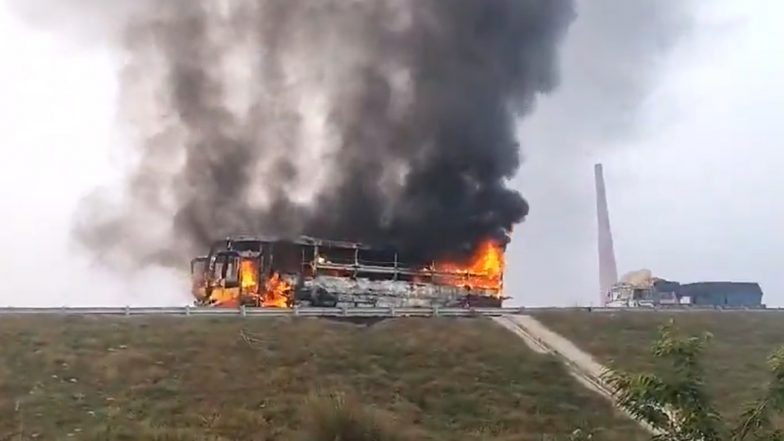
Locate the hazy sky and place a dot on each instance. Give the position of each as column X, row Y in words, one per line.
column 685, row 120
column 694, row 183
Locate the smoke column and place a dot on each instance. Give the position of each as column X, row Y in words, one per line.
column 386, row 121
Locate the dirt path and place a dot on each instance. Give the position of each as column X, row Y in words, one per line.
column 581, row 365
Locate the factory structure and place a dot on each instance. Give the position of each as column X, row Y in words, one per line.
column 642, row 289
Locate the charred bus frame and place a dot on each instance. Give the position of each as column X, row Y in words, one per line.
column 306, row 259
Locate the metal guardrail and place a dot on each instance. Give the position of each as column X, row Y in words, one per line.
column 264, row 312
column 340, row 312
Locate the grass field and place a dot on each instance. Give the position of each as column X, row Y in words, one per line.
column 735, row 359
column 231, row 379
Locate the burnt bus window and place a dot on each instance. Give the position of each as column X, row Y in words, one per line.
column 217, row 272
column 198, row 265
column 287, row 257
column 337, row 255
column 232, row 270
column 306, row 260
column 377, row 257
column 227, row 268
column 246, row 245
column 411, row 261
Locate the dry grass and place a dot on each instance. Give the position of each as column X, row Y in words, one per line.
column 735, row 359
column 232, row 379
column 339, row 417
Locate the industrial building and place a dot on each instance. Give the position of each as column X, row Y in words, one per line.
column 722, row 293
column 640, row 288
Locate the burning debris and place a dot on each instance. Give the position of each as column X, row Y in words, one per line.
column 485, row 270
column 282, row 273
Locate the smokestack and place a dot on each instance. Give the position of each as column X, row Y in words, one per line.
column 608, row 272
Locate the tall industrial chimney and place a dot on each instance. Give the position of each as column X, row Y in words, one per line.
column 608, row 272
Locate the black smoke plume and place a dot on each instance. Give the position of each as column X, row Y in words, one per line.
column 382, row 121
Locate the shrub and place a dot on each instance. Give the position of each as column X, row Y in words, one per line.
column 337, row 417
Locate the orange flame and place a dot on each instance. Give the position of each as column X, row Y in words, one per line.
column 224, row 299
column 248, row 275
column 277, row 292
column 483, row 271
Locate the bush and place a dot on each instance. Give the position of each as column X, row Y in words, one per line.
column 339, row 418
column 674, row 403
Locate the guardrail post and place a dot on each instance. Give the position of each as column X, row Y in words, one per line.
column 127, row 311
column 296, row 310
column 392, row 311
column 436, row 313
column 344, row 310
column 187, row 310
column 242, row 311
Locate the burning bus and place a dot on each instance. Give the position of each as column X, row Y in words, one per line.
column 265, row 272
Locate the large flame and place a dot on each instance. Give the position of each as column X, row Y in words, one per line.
column 276, row 293
column 484, row 270
column 224, row 299
column 248, row 275
column 276, row 290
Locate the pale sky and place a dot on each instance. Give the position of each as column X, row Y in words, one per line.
column 693, row 173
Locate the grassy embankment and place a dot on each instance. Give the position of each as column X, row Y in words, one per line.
column 231, row 379
column 735, row 359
